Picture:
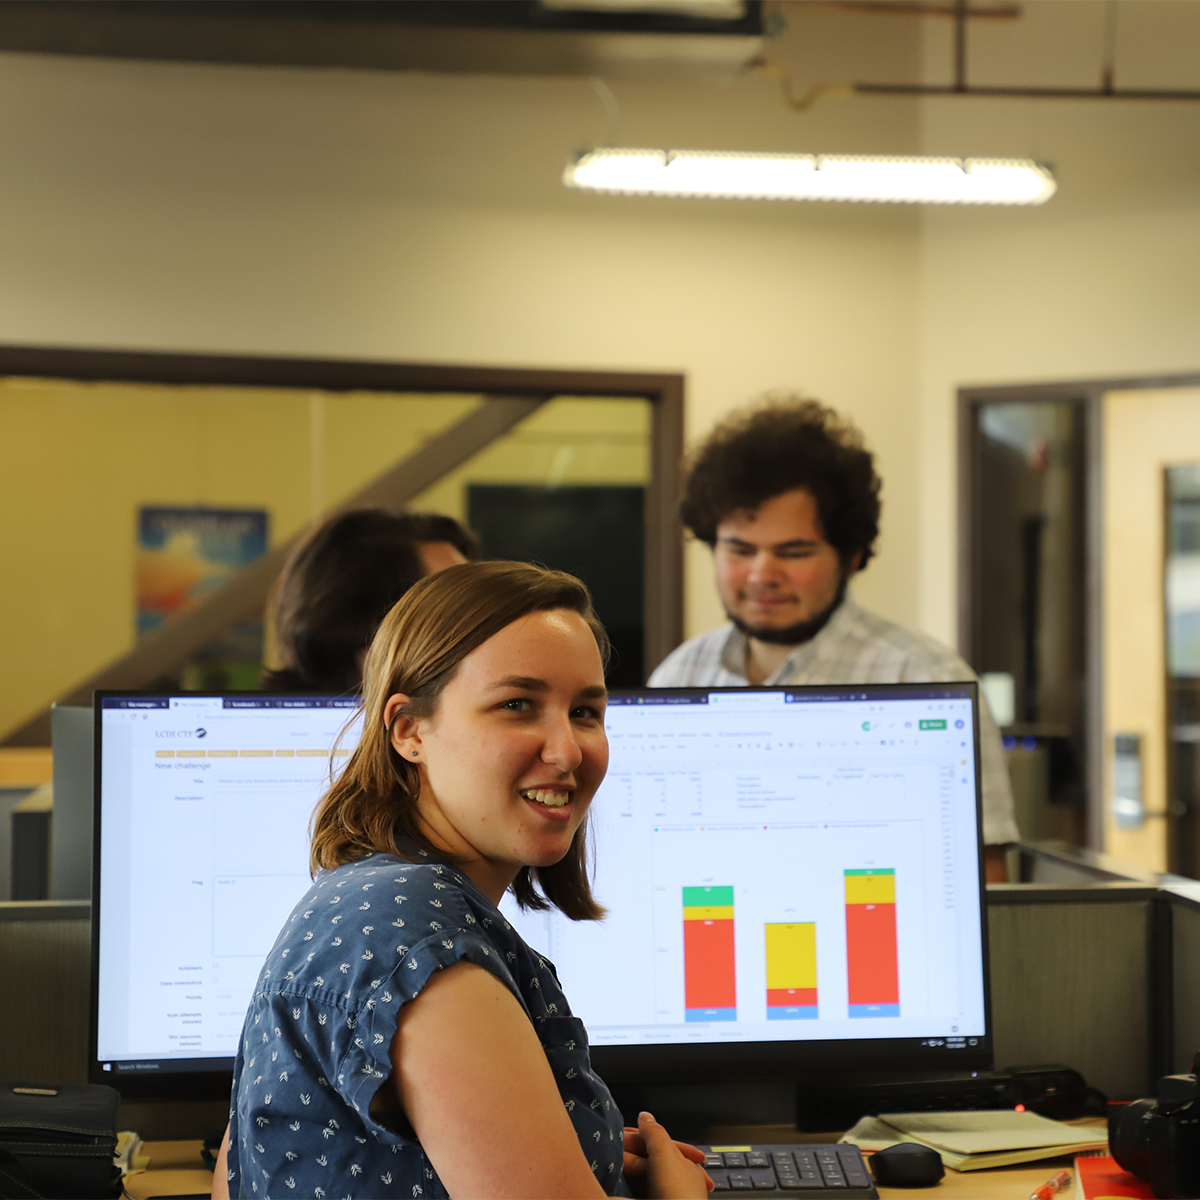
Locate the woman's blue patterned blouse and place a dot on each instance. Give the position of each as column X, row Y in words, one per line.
column 365, row 940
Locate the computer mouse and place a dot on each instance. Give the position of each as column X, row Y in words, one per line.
column 907, row 1164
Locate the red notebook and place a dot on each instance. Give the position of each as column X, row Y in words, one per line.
column 1099, row 1177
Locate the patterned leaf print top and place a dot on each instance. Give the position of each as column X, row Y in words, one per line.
column 365, row 940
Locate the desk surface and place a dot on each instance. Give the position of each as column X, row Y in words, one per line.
column 176, row 1170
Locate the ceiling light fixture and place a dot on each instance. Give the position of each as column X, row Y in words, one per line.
column 741, row 176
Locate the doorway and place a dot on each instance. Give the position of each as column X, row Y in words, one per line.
column 1079, row 605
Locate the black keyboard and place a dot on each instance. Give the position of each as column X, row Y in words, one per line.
column 813, row 1172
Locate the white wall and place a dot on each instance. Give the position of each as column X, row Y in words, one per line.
column 421, row 217
column 1102, row 280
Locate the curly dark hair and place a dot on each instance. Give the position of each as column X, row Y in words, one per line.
column 778, row 446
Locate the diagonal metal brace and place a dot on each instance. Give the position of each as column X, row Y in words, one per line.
column 167, row 648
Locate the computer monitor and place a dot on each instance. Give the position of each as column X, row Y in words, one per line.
column 793, row 879
column 201, row 851
column 794, row 884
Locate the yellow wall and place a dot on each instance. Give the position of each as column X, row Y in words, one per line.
column 571, row 439
column 77, row 461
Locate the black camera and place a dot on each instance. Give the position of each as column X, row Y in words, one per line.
column 1159, row 1140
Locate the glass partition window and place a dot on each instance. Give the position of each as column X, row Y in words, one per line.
column 566, row 488
column 79, row 461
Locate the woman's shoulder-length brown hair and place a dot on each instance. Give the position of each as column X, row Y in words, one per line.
column 372, row 805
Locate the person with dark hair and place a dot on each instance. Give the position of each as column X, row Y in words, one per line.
column 403, row 1040
column 339, row 583
column 786, row 495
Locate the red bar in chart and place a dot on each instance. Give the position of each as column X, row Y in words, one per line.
column 872, row 969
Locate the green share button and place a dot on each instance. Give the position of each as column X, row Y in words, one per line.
column 933, row 724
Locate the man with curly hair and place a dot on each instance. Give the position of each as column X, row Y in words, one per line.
column 787, row 497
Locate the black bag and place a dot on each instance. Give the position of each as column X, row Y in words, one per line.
column 58, row 1141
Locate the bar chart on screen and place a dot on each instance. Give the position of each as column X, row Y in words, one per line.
column 772, row 875
column 818, row 928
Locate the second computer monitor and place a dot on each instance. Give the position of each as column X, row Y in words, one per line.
column 792, row 878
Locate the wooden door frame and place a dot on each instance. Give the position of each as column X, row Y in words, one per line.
column 1090, row 394
column 663, row 603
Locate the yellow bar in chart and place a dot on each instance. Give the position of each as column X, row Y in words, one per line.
column 864, row 888
column 791, row 970
column 708, row 912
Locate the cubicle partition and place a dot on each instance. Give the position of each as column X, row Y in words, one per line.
column 71, row 845
column 44, row 949
column 1184, row 995
column 1081, row 977
column 1104, row 979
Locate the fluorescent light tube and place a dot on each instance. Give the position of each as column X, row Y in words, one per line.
column 741, row 176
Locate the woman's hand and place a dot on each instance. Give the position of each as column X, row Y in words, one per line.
column 657, row 1168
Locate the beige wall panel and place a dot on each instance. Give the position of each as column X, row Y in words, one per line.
column 359, row 435
column 75, row 464
column 1144, row 433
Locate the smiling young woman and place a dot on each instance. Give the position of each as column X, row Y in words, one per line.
column 403, row 1039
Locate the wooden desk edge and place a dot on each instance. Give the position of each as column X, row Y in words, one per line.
column 176, row 1170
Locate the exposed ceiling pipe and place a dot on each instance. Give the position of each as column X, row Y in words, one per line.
column 961, row 11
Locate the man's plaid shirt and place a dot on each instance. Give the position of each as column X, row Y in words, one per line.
column 854, row 647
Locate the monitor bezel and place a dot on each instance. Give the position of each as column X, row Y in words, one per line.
column 743, row 1061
